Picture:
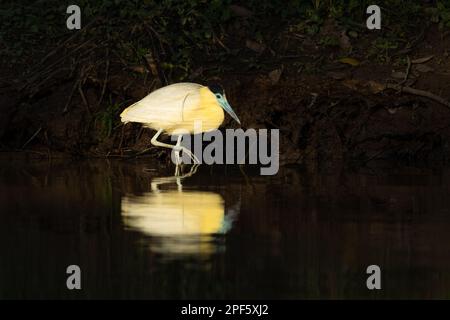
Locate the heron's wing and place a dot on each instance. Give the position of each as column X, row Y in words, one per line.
column 201, row 113
column 163, row 108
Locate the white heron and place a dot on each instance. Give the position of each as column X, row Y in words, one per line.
column 179, row 108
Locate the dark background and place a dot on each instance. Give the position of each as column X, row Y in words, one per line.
column 341, row 95
column 337, row 91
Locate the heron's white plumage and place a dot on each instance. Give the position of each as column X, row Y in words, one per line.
column 177, row 107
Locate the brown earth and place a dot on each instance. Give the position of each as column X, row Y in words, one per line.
column 328, row 111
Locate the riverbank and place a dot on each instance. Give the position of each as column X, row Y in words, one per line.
column 339, row 93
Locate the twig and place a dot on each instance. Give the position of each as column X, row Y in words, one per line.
column 373, row 157
column 422, row 60
column 139, row 153
column 65, row 42
column 161, row 39
column 421, row 93
column 313, row 100
column 413, row 43
column 156, row 57
column 121, row 140
column 83, row 97
column 408, row 70
column 32, row 151
column 32, row 137
column 37, row 87
column 49, row 67
column 28, row 83
column 221, row 43
column 106, row 78
column 66, row 107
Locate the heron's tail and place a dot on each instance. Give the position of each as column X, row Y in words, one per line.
column 125, row 116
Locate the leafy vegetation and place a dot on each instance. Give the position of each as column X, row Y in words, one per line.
column 127, row 48
column 106, row 119
column 183, row 29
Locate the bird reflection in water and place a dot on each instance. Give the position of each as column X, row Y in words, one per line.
column 179, row 222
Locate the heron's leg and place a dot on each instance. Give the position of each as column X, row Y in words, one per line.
column 177, row 151
column 157, row 143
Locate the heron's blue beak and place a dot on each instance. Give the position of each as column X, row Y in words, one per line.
column 226, row 106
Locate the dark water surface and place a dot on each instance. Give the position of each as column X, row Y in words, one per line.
column 220, row 235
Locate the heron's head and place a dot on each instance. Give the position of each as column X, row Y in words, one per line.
column 218, row 91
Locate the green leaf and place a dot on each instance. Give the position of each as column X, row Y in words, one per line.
column 350, row 61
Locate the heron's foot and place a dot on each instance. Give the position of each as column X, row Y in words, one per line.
column 180, row 174
column 193, row 169
column 179, row 170
column 192, row 156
